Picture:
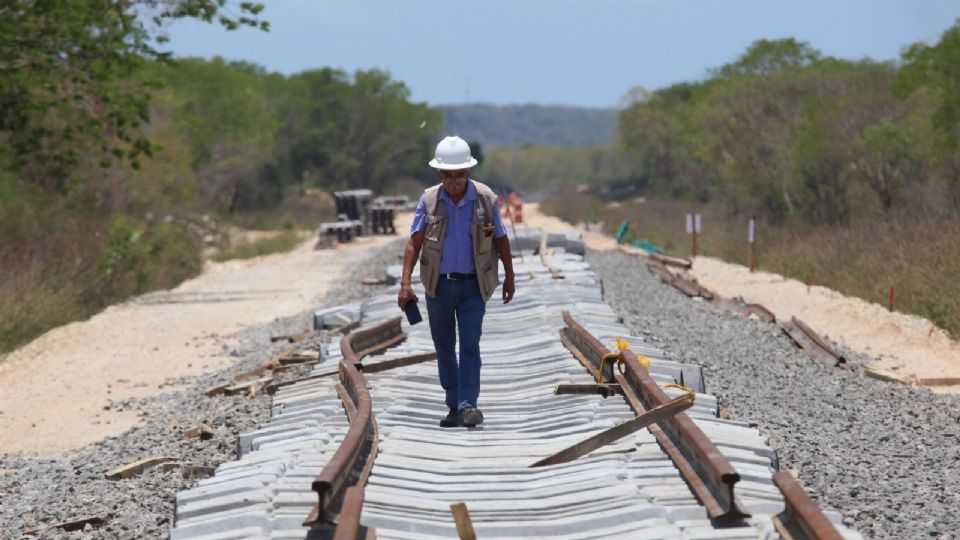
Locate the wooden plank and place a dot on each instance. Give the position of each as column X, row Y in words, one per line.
column 201, row 430
column 74, row 524
column 697, row 485
column 939, row 381
column 247, row 386
column 461, row 517
column 292, row 338
column 218, row 390
column 606, row 390
column 620, row 431
column 874, row 373
column 291, row 359
column 670, row 260
column 137, row 467
column 399, row 362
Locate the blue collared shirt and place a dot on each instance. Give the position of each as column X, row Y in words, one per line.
column 457, row 254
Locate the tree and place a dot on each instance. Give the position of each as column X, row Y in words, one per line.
column 886, row 160
column 936, row 70
column 362, row 131
column 766, row 57
column 68, row 84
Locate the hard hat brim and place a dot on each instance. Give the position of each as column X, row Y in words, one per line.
column 453, row 166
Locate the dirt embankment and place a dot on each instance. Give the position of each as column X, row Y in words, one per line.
column 57, row 388
column 907, row 348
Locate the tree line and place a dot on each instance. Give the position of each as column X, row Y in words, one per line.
column 111, row 150
column 94, row 111
column 515, row 126
column 790, row 134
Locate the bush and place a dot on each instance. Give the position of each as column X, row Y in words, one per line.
column 283, row 241
column 63, row 264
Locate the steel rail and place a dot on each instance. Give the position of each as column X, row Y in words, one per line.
column 801, row 519
column 361, row 438
column 712, row 469
column 689, row 287
column 805, row 338
column 817, row 340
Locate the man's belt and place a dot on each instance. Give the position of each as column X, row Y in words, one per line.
column 457, row 276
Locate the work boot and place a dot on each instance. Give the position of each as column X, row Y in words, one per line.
column 452, row 419
column 471, row 416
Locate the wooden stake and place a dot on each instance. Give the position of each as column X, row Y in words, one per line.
column 137, row 467
column 620, row 431
column 891, row 298
column 462, row 518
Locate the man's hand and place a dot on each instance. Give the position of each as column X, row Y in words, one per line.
column 508, row 289
column 405, row 295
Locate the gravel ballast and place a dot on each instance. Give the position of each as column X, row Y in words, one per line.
column 36, row 493
column 885, row 455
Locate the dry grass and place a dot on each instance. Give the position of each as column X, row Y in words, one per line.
column 280, row 242
column 62, row 265
column 917, row 255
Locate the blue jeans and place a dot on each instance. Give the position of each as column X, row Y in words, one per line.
column 458, row 306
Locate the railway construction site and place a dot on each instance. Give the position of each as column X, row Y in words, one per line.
column 621, row 400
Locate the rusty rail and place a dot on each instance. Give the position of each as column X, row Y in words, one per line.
column 348, row 526
column 805, row 338
column 360, row 439
column 801, row 519
column 710, row 475
column 689, row 287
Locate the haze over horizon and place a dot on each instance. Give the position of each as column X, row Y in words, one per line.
column 555, row 52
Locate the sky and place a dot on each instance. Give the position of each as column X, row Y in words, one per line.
column 557, row 52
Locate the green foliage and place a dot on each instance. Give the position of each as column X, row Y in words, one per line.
column 68, row 81
column 138, row 258
column 277, row 243
column 516, row 126
column 789, row 134
column 534, row 168
column 363, row 131
column 936, row 68
column 766, row 57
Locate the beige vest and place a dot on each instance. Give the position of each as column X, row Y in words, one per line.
column 485, row 257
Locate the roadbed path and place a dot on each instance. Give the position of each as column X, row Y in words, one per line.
column 57, row 388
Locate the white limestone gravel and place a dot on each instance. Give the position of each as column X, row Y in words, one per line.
column 887, row 456
column 35, row 493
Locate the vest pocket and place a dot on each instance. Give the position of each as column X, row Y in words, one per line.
column 433, row 229
column 428, row 269
column 489, row 278
column 484, row 242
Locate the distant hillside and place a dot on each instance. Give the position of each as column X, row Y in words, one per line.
column 518, row 125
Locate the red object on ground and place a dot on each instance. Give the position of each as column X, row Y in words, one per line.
column 516, row 207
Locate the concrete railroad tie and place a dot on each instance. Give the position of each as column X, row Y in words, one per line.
column 629, row 489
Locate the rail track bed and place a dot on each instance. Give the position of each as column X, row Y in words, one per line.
column 355, row 448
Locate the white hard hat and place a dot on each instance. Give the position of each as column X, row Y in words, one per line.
column 453, row 153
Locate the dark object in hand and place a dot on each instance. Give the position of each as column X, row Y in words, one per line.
column 413, row 313
column 488, row 230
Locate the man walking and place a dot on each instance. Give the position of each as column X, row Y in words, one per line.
column 457, row 225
